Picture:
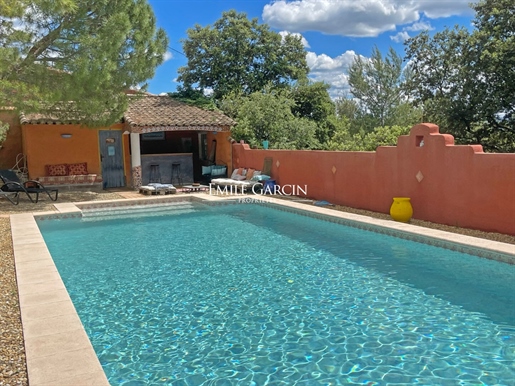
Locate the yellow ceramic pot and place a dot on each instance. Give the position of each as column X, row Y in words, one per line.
column 401, row 209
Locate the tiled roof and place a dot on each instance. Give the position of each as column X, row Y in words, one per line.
column 158, row 113
column 154, row 113
column 44, row 119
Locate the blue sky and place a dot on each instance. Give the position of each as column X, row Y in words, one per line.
column 334, row 31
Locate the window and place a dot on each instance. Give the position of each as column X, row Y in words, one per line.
column 157, row 136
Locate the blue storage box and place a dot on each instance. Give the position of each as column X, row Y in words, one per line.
column 269, row 186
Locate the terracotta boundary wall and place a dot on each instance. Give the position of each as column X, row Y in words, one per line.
column 447, row 184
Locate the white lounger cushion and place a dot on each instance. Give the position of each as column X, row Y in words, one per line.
column 158, row 185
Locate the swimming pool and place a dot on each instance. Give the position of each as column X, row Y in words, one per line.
column 245, row 294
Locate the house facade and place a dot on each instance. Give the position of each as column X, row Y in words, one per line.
column 155, row 130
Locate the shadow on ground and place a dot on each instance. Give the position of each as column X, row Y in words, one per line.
column 45, row 204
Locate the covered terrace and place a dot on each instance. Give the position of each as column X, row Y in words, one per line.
column 164, row 131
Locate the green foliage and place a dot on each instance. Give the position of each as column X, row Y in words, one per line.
column 238, row 54
column 380, row 110
column 384, row 136
column 268, row 115
column 362, row 141
column 341, row 136
column 194, row 98
column 466, row 80
column 302, row 116
column 405, row 115
column 231, row 103
column 377, row 85
column 73, row 59
column 299, row 133
column 261, row 117
column 4, row 128
column 347, row 107
column 312, row 102
column 10, row 8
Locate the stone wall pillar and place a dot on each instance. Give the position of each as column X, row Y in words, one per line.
column 135, row 160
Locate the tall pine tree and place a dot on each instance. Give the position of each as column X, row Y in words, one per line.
column 74, row 58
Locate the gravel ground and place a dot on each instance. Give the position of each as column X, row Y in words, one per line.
column 12, row 352
column 448, row 228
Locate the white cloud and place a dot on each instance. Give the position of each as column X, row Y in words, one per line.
column 355, row 18
column 302, row 38
column 435, row 9
column 332, row 71
column 324, row 62
column 400, row 37
column 167, row 56
column 419, row 26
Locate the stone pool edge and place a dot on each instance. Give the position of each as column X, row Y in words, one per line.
column 489, row 249
column 58, row 349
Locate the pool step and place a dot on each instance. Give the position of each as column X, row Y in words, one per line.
column 165, row 209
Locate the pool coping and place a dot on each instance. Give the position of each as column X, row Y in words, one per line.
column 58, row 350
column 493, row 250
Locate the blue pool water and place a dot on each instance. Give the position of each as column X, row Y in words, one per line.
column 249, row 295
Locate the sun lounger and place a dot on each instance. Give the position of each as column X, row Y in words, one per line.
column 13, row 184
column 13, row 197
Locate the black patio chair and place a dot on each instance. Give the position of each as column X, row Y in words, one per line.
column 14, row 197
column 13, row 184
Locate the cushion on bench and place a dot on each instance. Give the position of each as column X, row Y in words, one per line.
column 213, row 171
column 78, row 169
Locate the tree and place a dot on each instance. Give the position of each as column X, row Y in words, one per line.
column 74, row 58
column 298, row 134
column 465, row 81
column 4, row 128
column 383, row 136
column 194, row 98
column 10, row 8
column 262, row 116
column 239, row 54
column 313, row 102
column 347, row 107
column 359, row 119
column 380, row 136
column 377, row 84
column 268, row 116
column 299, row 116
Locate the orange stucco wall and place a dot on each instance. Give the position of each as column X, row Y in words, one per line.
column 456, row 185
column 223, row 148
column 44, row 145
column 12, row 145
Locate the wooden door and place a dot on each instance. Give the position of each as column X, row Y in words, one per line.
column 110, row 143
